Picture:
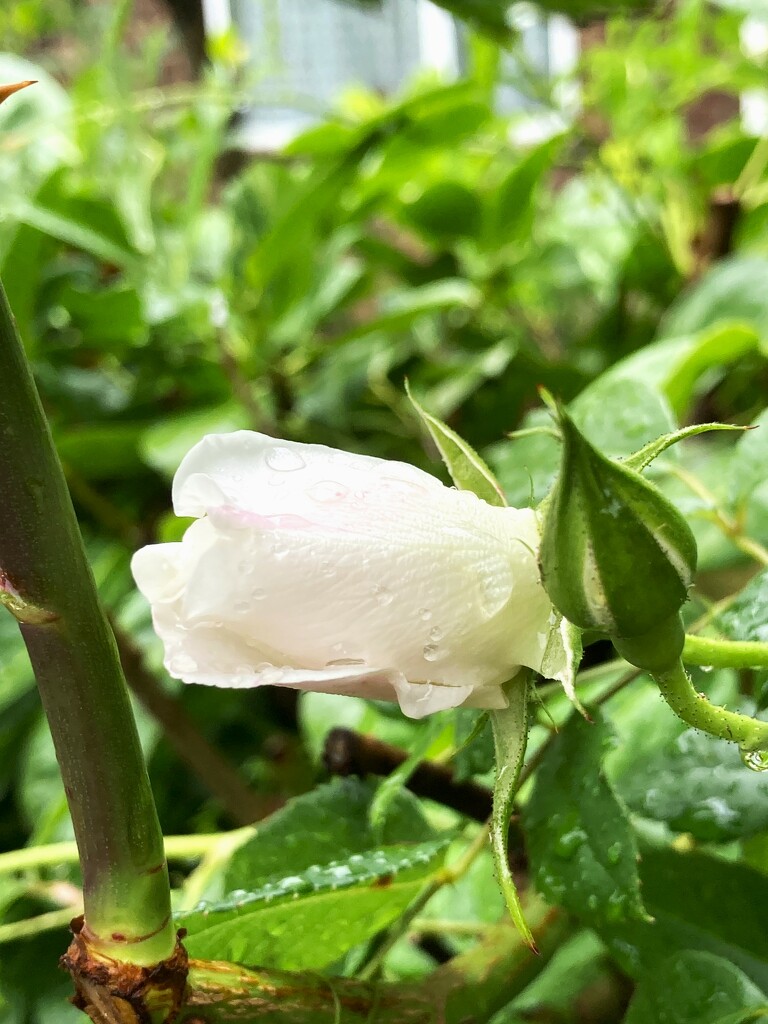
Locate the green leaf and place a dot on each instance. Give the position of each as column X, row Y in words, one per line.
column 674, row 365
column 511, row 208
column 401, row 309
column 510, row 735
column 749, row 461
column 580, row 841
column 331, row 823
column 693, row 988
column 698, row 785
column 101, row 451
column 746, row 618
column 75, row 232
column 467, row 469
column 309, row 919
column 487, row 16
column 697, row 902
column 733, row 290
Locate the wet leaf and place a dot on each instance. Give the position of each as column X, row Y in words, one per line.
column 582, row 848
column 309, row 919
column 693, row 988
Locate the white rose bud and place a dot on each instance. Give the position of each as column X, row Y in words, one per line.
column 321, row 570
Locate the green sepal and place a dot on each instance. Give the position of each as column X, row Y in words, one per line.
column 644, row 456
column 467, row 469
column 510, row 737
column 615, row 555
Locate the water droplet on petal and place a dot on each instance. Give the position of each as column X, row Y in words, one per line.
column 328, row 491
column 258, row 593
column 181, row 664
column 382, row 595
column 436, row 633
column 431, row 652
column 283, row 459
column 425, row 614
column 340, row 662
column 241, row 607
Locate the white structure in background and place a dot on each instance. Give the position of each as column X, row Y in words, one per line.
column 306, row 52
column 754, row 102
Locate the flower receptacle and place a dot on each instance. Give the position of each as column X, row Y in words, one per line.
column 616, row 555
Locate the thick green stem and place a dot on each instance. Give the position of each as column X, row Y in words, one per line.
column 701, row 650
column 47, row 584
column 694, row 708
column 471, row 987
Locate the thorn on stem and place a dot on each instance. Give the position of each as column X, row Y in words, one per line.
column 9, row 90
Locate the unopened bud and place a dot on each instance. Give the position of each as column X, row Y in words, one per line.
column 616, row 555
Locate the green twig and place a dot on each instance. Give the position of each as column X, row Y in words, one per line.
column 190, row 847
column 701, row 650
column 750, row 733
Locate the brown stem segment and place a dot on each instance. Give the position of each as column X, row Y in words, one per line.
column 472, row 987
column 46, row 582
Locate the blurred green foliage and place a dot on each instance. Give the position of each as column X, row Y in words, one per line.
column 620, row 262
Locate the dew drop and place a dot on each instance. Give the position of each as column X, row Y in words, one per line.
column 436, row 633
column 569, row 842
column 283, row 460
column 181, row 664
column 430, row 652
column 425, row 614
column 328, row 491
column 757, row 760
column 382, row 595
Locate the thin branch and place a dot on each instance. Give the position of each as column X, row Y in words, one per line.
column 213, row 770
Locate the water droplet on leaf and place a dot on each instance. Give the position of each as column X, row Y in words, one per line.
column 757, row 760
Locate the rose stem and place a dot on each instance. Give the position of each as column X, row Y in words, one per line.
column 46, row 582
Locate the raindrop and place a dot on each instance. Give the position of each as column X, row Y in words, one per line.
column 180, row 664
column 258, row 593
column 283, row 459
column 382, row 595
column 435, row 633
column 757, row 760
column 328, row 491
column 569, row 842
column 431, row 652
column 425, row 614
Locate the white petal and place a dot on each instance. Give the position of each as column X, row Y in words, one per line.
column 346, row 574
